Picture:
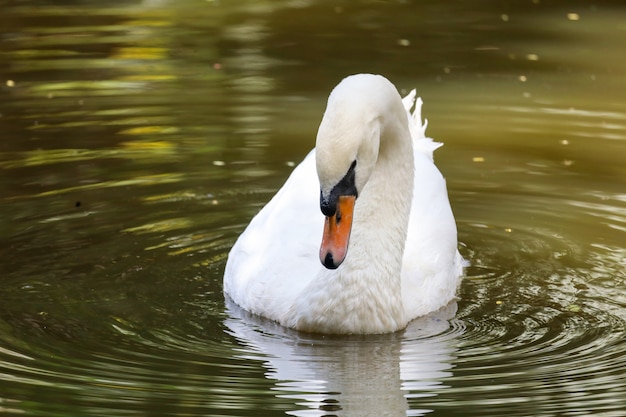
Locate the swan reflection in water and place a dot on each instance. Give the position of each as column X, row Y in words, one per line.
column 377, row 375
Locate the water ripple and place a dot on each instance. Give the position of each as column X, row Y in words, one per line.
column 139, row 140
column 545, row 333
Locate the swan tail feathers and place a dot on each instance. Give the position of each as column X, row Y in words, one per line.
column 409, row 100
column 418, row 128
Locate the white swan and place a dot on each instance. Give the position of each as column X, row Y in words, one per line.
column 389, row 245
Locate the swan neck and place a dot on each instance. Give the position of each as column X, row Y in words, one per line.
column 383, row 208
column 364, row 295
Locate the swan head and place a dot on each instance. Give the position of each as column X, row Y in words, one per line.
column 347, row 148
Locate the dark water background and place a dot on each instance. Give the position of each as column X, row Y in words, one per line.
column 137, row 139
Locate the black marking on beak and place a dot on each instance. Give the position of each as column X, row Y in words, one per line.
column 346, row 186
column 329, row 262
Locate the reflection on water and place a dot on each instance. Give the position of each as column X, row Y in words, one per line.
column 139, row 138
column 375, row 375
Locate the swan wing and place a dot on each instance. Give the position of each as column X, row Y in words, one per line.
column 277, row 255
column 431, row 262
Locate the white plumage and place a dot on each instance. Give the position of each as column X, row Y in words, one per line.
column 402, row 260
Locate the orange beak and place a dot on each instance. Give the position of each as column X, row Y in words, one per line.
column 337, row 233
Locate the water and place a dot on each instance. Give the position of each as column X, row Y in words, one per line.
column 139, row 139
